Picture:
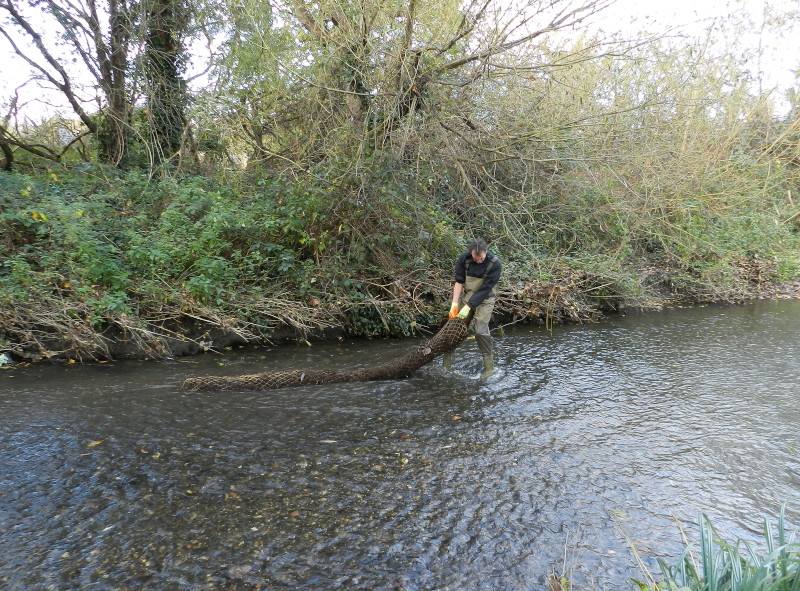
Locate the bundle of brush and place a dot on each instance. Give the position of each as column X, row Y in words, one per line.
column 450, row 336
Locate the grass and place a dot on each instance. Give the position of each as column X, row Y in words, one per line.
column 718, row 565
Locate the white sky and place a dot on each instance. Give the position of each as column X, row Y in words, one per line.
column 780, row 57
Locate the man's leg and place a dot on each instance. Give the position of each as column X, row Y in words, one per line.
column 447, row 358
column 483, row 314
column 447, row 361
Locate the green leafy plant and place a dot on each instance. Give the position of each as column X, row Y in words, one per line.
column 721, row 566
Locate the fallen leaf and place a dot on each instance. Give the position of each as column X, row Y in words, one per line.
column 93, row 443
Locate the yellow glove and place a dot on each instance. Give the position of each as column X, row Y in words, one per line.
column 464, row 312
column 453, row 310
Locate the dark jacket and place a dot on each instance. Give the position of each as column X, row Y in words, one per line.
column 478, row 270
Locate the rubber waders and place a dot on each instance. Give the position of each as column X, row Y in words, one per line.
column 447, row 361
column 488, row 366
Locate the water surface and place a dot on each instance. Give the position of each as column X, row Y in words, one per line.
column 587, row 440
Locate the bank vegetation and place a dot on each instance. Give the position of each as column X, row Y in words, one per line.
column 329, row 161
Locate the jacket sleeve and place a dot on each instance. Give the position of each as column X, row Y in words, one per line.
column 487, row 286
column 460, row 274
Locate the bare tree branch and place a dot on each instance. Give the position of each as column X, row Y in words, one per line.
column 64, row 84
column 560, row 21
column 72, row 25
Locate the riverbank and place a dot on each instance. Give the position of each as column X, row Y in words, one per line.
column 572, row 298
column 106, row 264
column 786, row 290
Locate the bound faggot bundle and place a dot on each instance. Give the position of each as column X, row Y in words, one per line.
column 450, row 336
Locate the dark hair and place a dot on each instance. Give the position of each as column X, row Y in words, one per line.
column 478, row 245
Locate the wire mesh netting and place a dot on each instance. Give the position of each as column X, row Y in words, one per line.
column 450, row 336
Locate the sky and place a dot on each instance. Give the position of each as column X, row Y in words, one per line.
column 780, row 57
column 779, row 62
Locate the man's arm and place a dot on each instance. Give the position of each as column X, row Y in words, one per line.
column 457, row 289
column 458, row 286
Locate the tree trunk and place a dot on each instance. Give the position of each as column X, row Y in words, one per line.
column 114, row 131
column 165, row 59
column 8, row 155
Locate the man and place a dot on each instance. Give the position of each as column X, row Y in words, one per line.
column 476, row 275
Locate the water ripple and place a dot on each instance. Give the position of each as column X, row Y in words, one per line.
column 586, row 439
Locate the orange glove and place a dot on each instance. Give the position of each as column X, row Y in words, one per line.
column 454, row 310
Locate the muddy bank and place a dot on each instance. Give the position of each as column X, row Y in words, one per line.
column 782, row 291
column 571, row 300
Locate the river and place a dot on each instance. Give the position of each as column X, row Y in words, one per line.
column 587, row 441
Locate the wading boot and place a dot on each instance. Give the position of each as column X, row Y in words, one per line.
column 488, row 366
column 447, row 361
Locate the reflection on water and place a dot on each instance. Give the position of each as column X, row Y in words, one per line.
column 586, row 440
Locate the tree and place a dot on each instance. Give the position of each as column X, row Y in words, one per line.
column 366, row 76
column 104, row 54
column 252, row 111
column 97, row 48
column 164, row 64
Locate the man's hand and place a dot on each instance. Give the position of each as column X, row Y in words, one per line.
column 454, row 310
column 464, row 312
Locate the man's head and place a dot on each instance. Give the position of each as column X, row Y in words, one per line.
column 478, row 249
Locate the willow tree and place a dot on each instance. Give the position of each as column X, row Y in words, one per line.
column 366, row 76
column 250, row 113
column 665, row 152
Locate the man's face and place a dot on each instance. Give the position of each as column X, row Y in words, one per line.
column 478, row 257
